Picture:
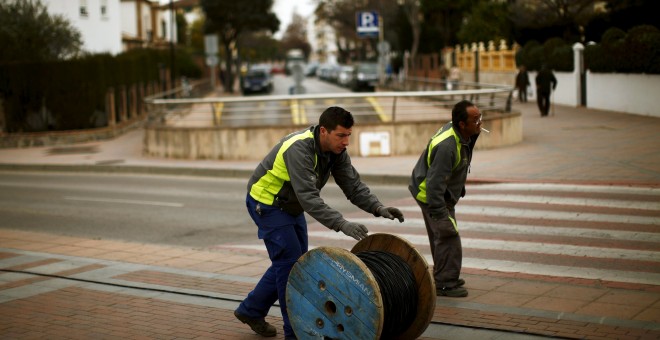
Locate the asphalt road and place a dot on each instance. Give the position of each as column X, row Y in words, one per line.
column 175, row 210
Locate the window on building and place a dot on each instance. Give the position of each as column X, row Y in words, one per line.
column 104, row 8
column 83, row 8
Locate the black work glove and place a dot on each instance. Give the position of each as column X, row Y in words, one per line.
column 390, row 212
column 355, row 230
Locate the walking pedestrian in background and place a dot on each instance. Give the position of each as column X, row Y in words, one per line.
column 437, row 183
column 454, row 77
column 444, row 76
column 522, row 82
column 288, row 182
column 545, row 84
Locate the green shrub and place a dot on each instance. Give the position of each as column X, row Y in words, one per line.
column 613, row 36
column 637, row 51
column 526, row 56
column 642, row 49
column 561, row 59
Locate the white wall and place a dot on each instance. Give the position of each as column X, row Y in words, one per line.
column 99, row 33
column 632, row 93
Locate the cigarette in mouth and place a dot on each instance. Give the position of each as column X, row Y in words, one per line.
column 482, row 129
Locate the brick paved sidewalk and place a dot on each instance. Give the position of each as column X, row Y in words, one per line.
column 69, row 287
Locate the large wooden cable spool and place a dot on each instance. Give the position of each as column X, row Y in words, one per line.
column 332, row 294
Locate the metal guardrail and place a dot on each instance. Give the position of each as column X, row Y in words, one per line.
column 304, row 108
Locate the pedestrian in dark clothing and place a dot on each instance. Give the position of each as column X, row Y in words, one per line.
column 288, row 182
column 437, row 183
column 522, row 82
column 545, row 84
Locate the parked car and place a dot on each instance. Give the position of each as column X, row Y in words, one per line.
column 257, row 79
column 345, row 75
column 310, row 69
column 328, row 72
column 365, row 76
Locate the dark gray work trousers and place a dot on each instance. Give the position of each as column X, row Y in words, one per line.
column 446, row 248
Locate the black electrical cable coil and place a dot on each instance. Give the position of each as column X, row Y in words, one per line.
column 397, row 287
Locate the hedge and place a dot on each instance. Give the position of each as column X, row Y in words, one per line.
column 637, row 51
column 72, row 92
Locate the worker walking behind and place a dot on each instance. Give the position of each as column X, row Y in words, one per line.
column 287, row 183
column 437, row 183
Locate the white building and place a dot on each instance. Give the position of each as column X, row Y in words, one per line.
column 113, row 26
column 99, row 22
column 146, row 23
column 325, row 42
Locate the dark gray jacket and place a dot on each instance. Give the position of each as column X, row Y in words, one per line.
column 439, row 176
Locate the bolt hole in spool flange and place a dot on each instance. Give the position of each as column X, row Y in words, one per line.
column 328, row 279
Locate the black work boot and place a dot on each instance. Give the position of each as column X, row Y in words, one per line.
column 260, row 326
column 451, row 292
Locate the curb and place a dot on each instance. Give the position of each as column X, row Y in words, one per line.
column 245, row 173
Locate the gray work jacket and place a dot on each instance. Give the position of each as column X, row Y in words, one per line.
column 293, row 173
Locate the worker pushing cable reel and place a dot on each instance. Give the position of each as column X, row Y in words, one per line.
column 381, row 289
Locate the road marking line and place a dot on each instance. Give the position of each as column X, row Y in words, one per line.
column 123, row 201
column 381, row 114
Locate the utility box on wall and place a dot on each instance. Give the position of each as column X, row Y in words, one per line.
column 374, row 144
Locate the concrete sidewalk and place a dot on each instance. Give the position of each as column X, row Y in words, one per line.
column 61, row 287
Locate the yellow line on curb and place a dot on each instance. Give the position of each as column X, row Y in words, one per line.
column 381, row 114
column 295, row 112
column 303, row 115
column 217, row 112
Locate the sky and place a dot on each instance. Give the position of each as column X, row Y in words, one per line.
column 284, row 10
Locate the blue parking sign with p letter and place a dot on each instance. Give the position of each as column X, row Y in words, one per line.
column 367, row 24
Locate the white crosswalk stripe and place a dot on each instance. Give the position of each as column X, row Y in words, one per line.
column 540, row 248
column 610, row 203
column 558, row 230
column 531, row 187
column 534, row 268
column 415, row 223
column 548, row 214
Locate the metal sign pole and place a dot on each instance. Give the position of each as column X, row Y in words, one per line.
column 381, row 52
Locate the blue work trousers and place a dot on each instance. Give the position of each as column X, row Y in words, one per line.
column 285, row 237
